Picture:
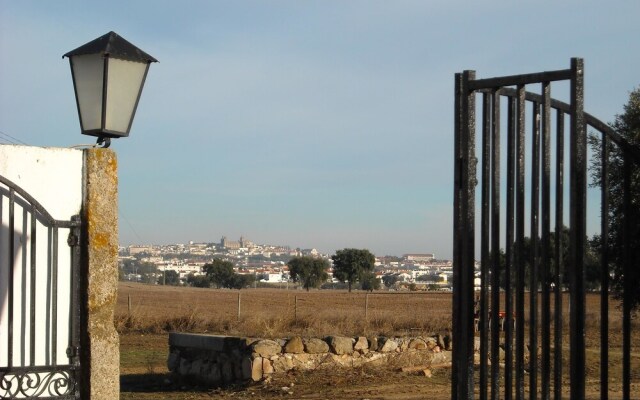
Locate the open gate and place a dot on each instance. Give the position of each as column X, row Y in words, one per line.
column 508, row 315
column 39, row 299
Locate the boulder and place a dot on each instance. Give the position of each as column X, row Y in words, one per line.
column 341, row 345
column 315, row 346
column 256, row 369
column 185, row 367
column 237, row 369
column 373, row 343
column 173, row 362
column 417, row 344
column 388, row 346
column 431, row 342
column 246, row 368
column 283, row 364
column 305, row 361
column 361, row 344
column 266, row 348
column 448, row 343
column 294, row 345
column 196, row 367
column 227, row 371
column 267, row 367
column 440, row 341
column 214, row 376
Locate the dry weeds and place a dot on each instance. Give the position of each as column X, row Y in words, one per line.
column 275, row 313
column 157, row 310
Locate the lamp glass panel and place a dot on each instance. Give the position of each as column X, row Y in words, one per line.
column 88, row 74
column 123, row 86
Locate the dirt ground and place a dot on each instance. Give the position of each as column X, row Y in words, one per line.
column 144, row 375
column 280, row 313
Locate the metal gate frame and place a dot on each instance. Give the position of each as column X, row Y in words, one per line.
column 491, row 380
column 52, row 380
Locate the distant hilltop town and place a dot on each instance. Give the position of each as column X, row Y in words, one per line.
column 268, row 264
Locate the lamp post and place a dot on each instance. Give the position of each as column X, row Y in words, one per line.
column 108, row 75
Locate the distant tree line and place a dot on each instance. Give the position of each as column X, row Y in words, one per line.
column 221, row 274
column 622, row 244
column 350, row 266
column 353, row 268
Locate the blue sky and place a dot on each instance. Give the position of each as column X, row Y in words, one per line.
column 325, row 124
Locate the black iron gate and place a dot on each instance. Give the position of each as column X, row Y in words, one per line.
column 509, row 338
column 39, row 300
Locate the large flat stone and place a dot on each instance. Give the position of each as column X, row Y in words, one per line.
column 209, row 342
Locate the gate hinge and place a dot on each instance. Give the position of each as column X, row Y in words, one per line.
column 73, row 239
column 73, row 351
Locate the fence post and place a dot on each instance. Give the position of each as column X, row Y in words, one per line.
column 239, row 295
column 366, row 306
column 295, row 309
column 129, row 303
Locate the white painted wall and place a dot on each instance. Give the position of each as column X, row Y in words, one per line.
column 53, row 176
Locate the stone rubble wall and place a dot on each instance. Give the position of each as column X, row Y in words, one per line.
column 215, row 360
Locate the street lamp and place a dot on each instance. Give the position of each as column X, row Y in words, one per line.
column 108, row 75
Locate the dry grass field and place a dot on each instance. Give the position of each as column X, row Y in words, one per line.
column 155, row 310
column 275, row 312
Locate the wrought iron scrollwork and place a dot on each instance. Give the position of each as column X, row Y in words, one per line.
column 25, row 384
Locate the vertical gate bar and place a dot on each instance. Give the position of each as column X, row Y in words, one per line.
column 533, row 286
column 464, row 198
column 627, row 284
column 604, row 265
column 32, row 317
column 48, row 305
column 511, row 131
column 75, row 308
column 469, row 244
column 54, row 298
column 10, row 291
column 546, row 229
column 484, row 243
column 520, row 264
column 24, row 289
column 457, row 233
column 495, row 245
column 578, row 182
column 557, row 324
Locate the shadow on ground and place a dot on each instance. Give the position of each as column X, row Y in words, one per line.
column 155, row 382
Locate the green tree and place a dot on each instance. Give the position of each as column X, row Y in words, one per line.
column 627, row 125
column 592, row 277
column 201, row 281
column 369, row 282
column 311, row 272
column 147, row 271
column 241, row 281
column 390, row 279
column 220, row 273
column 169, row 277
column 350, row 264
column 429, row 278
